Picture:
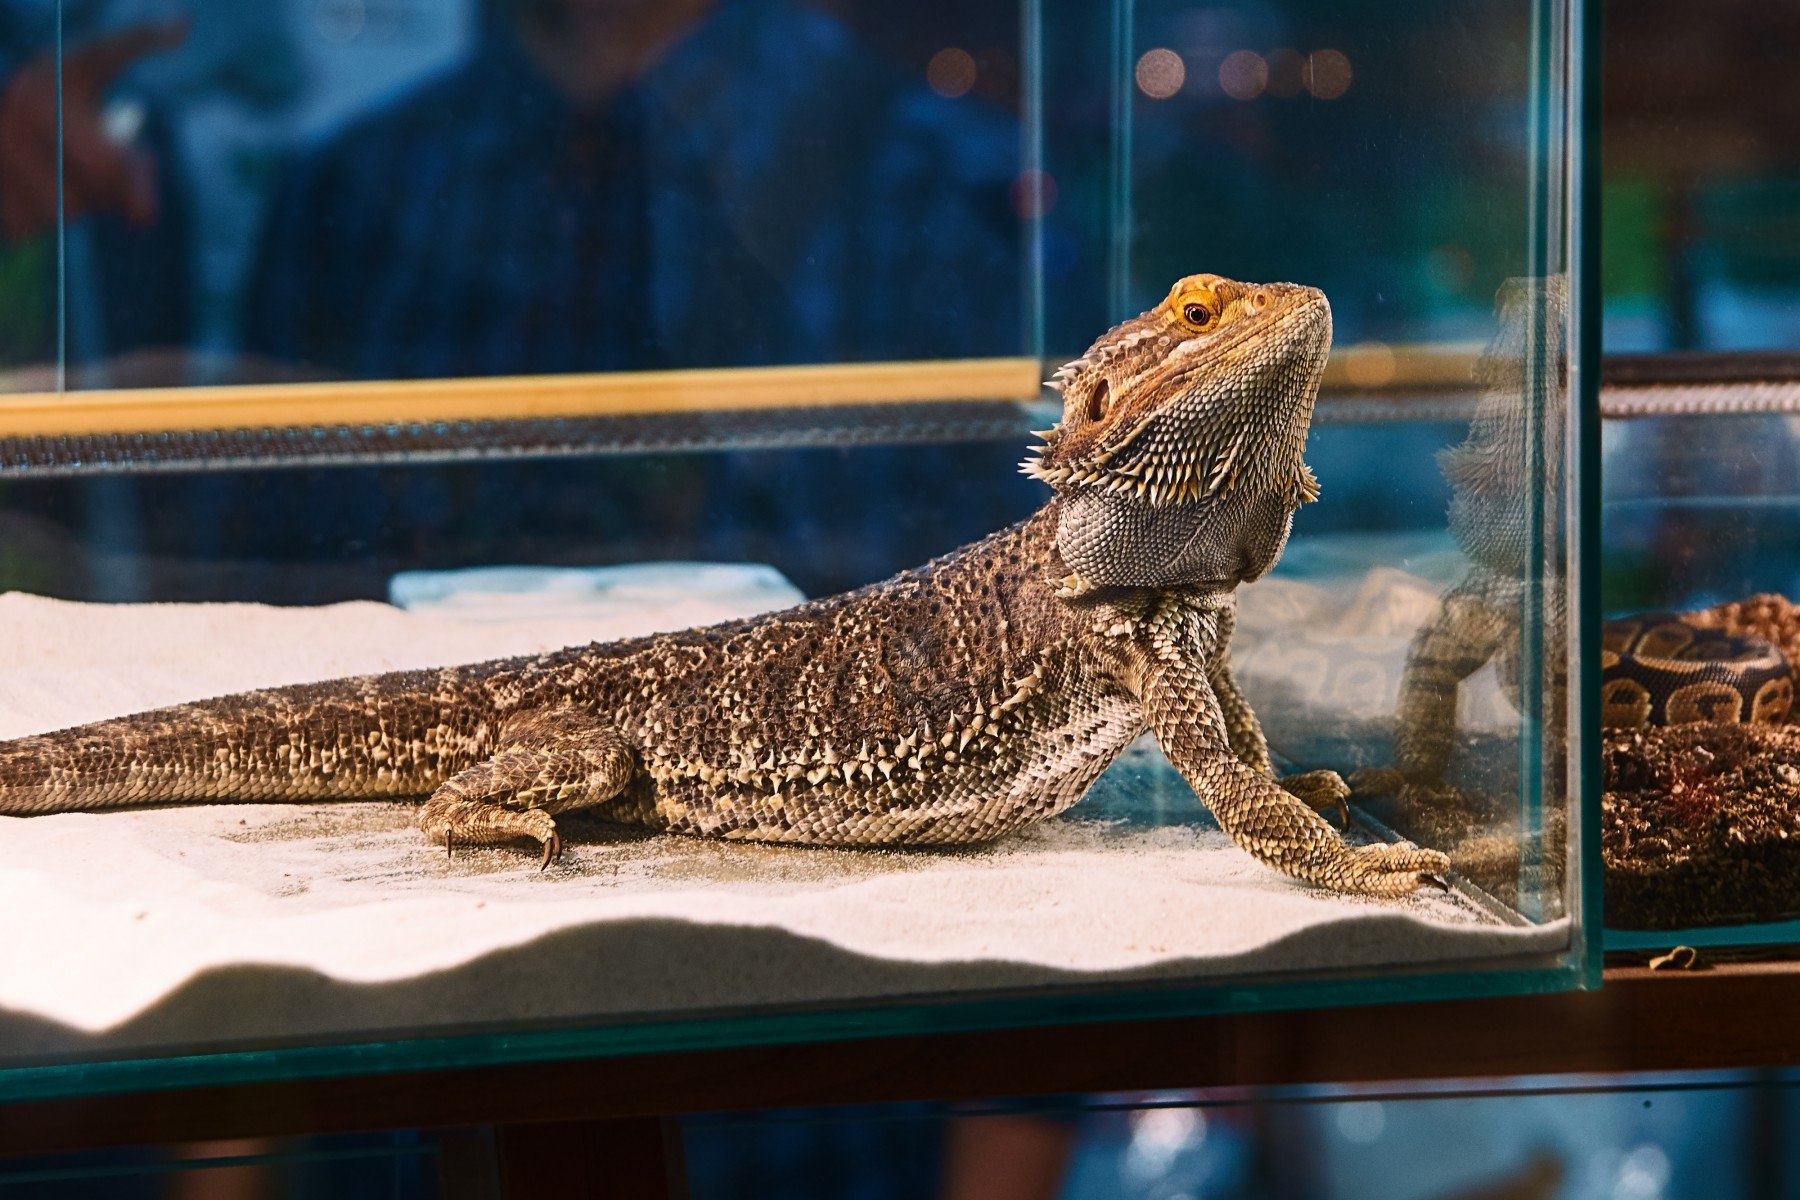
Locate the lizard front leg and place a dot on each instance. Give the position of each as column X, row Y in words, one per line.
column 1272, row 824
column 546, row 763
column 1319, row 789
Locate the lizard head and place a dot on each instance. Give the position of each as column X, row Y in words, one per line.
column 1178, row 454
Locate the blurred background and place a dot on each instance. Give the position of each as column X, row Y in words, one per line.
column 385, row 189
column 382, row 189
column 1728, row 1136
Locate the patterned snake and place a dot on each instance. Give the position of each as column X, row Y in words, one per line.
column 1658, row 669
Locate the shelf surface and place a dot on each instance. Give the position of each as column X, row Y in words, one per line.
column 1734, row 1015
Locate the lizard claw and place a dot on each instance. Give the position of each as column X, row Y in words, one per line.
column 1436, row 881
column 552, row 850
column 449, row 846
column 1322, row 791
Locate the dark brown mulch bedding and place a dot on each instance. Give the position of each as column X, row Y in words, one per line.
column 1701, row 825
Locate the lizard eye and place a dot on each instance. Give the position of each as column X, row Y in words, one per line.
column 1197, row 315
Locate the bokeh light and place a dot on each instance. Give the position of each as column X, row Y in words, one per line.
column 1361, row 1121
column 1160, row 73
column 1286, row 67
column 1326, row 74
column 1034, row 194
column 1243, row 75
column 951, row 72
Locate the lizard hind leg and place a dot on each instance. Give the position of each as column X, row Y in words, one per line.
column 546, row 763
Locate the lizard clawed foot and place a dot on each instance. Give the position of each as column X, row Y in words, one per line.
column 459, row 822
column 1389, row 870
column 1321, row 790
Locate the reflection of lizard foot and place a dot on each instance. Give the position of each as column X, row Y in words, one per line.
column 1322, row 791
column 1415, row 797
column 1376, row 781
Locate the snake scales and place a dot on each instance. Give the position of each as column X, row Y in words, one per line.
column 1662, row 669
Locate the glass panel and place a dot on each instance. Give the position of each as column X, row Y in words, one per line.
column 370, row 189
column 1285, row 141
column 1702, row 767
column 625, row 225
column 1702, row 257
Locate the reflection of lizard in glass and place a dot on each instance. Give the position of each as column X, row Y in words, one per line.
column 1481, row 618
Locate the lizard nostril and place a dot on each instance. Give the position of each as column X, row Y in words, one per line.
column 1259, row 301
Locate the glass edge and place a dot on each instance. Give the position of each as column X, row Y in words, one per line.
column 60, row 1081
column 62, row 217
column 1580, row 966
column 1585, row 17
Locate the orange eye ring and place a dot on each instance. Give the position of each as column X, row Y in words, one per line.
column 1197, row 309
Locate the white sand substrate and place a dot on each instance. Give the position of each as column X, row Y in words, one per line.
column 240, row 925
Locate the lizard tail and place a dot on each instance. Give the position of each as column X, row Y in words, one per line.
column 345, row 738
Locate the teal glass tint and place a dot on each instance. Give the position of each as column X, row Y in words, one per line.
column 410, row 206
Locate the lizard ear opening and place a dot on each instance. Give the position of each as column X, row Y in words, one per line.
column 1096, row 401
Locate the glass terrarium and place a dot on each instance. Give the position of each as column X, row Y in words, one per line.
column 373, row 338
column 1702, row 561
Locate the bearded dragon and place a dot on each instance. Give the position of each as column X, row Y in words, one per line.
column 953, row 703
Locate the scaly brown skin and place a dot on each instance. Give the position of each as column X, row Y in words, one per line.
column 953, row 703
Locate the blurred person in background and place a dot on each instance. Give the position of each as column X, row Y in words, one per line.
column 575, row 185
column 640, row 184
column 123, row 196
column 606, row 184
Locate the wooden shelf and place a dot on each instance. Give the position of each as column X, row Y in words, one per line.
column 1733, row 1016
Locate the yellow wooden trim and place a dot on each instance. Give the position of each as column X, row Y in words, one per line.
column 1379, row 367
column 1363, row 367
column 621, row 393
